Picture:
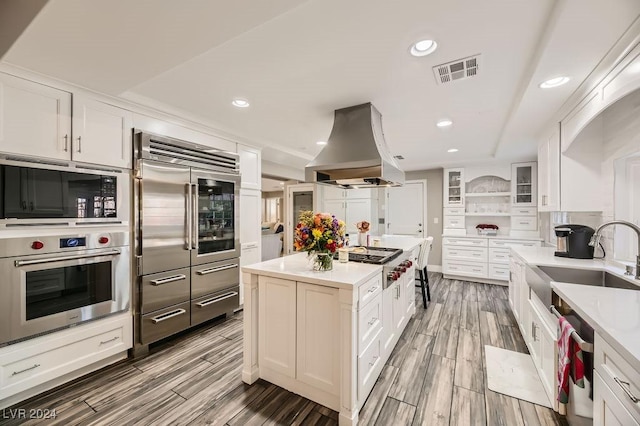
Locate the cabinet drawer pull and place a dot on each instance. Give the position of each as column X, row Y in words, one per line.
column 109, row 341
column 15, row 373
column 372, row 289
column 524, row 223
column 79, row 144
column 626, row 387
column 216, row 299
column 373, row 321
column 217, row 269
column 168, row 280
column 66, row 143
column 477, row 270
column 168, row 315
column 373, row 361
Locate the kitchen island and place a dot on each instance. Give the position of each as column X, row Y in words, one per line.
column 324, row 335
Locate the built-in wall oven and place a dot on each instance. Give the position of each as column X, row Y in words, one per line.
column 55, row 281
column 52, row 193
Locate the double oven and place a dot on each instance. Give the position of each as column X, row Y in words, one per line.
column 187, row 236
column 64, row 246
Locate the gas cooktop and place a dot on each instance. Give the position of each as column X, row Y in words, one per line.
column 373, row 255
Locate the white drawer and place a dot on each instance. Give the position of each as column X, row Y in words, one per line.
column 514, row 243
column 455, row 222
column 472, row 254
column 611, row 365
column 524, row 211
column 524, row 223
column 369, row 323
column 454, row 211
column 40, row 362
column 369, row 365
column 369, row 290
column 499, row 272
column 466, row 269
column 499, row 255
column 473, row 242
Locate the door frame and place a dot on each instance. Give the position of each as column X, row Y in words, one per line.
column 425, row 223
column 288, row 212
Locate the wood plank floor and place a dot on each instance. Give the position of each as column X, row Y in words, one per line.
column 435, row 376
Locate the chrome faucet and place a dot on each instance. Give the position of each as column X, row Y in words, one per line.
column 595, row 239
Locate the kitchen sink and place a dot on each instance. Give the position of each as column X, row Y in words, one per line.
column 587, row 277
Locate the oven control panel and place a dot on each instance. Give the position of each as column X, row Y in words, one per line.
column 73, row 242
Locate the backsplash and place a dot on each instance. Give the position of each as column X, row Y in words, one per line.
column 549, row 220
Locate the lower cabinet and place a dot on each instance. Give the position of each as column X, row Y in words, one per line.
column 35, row 362
column 608, row 410
column 542, row 345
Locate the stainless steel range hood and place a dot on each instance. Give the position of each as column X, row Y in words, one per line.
column 356, row 154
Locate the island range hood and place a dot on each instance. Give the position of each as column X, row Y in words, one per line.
column 356, row 154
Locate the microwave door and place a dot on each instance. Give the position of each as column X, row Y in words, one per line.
column 164, row 198
column 215, row 216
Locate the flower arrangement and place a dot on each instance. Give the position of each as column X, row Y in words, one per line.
column 487, row 229
column 320, row 235
column 363, row 226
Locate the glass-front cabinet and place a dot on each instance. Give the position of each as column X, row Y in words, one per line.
column 454, row 187
column 216, row 217
column 524, row 181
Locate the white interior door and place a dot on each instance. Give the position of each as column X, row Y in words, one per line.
column 406, row 209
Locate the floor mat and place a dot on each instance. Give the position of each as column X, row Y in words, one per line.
column 514, row 374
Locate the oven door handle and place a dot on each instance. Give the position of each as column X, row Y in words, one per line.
column 20, row 263
column 217, row 269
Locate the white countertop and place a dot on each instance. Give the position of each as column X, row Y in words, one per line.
column 494, row 237
column 613, row 313
column 404, row 242
column 297, row 267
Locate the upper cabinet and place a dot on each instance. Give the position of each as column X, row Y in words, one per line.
column 453, row 187
column 34, row 119
column 523, row 184
column 549, row 172
column 250, row 167
column 101, row 133
column 331, row 192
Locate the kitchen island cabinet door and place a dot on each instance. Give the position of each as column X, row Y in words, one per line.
column 608, row 410
column 277, row 325
column 318, row 322
column 35, row 119
column 101, row 133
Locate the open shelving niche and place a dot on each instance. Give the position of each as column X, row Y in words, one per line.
column 488, row 197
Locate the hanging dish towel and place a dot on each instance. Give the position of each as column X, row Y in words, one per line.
column 570, row 361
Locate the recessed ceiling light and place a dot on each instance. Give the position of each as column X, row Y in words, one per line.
column 240, row 103
column 444, row 123
column 452, row 150
column 321, row 142
column 281, row 183
column 423, row 47
column 554, row 82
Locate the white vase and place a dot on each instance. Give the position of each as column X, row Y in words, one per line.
column 362, row 238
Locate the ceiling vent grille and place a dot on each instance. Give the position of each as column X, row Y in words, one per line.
column 398, row 157
column 457, row 70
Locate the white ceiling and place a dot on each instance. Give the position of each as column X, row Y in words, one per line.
column 298, row 61
column 270, row 185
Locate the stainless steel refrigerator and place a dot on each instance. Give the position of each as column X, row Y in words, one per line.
column 187, row 236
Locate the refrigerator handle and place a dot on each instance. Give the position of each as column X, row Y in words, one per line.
column 194, row 207
column 189, row 218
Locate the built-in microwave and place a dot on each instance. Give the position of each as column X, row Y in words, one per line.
column 35, row 192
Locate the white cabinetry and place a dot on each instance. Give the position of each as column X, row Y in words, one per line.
column 37, row 363
column 453, row 187
column 250, row 253
column 523, row 184
column 101, row 133
column 616, row 387
column 35, row 119
column 250, row 167
column 350, row 205
column 250, row 238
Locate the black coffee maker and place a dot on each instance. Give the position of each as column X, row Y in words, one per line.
column 573, row 241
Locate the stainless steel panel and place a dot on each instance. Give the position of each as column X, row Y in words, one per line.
column 212, row 277
column 201, row 258
column 213, row 305
column 165, row 322
column 165, row 289
column 163, row 217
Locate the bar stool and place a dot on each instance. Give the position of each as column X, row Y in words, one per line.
column 421, row 266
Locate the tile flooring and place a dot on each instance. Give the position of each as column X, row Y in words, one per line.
column 435, row 376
